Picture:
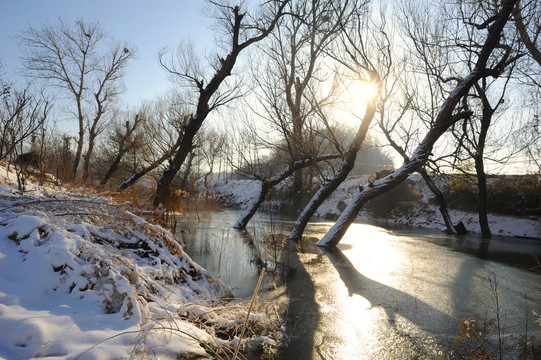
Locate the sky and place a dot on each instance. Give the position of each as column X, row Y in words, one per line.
column 146, row 25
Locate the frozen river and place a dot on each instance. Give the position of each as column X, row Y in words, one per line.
column 381, row 294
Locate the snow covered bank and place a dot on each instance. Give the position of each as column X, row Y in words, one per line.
column 83, row 278
column 421, row 213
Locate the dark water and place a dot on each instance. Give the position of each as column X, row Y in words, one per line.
column 381, row 294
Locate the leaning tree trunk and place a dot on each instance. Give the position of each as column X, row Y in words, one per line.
column 133, row 179
column 252, row 209
column 267, row 185
column 347, row 165
column 187, row 171
column 114, row 166
column 185, row 147
column 524, row 36
column 428, row 181
column 443, row 122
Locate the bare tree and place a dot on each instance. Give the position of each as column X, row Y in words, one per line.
column 527, row 17
column 421, row 88
column 73, row 57
column 487, row 65
column 487, row 100
column 212, row 92
column 164, row 124
column 124, row 138
column 212, row 144
column 241, row 35
column 22, row 114
column 59, row 155
column 373, row 69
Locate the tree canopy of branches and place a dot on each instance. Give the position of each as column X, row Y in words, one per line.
column 22, row 113
column 292, row 78
column 487, row 64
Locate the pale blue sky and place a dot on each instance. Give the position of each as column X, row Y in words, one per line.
column 148, row 25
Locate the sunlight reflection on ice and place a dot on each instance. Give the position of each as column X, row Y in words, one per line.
column 372, row 252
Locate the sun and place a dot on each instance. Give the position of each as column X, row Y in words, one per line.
column 361, row 90
column 356, row 95
column 352, row 101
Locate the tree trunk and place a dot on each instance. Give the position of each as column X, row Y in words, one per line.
column 524, row 36
column 441, row 201
column 252, row 209
column 133, row 179
column 428, row 181
column 87, row 156
column 113, row 168
column 267, row 185
column 328, row 188
column 184, row 182
column 77, row 158
column 80, row 141
column 205, row 94
column 480, row 168
column 123, row 148
column 483, row 208
column 185, row 147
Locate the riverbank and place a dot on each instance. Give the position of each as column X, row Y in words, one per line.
column 421, row 212
column 84, row 278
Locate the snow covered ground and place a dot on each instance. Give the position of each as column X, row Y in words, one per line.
column 422, row 213
column 82, row 278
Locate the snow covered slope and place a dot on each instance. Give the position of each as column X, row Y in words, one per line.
column 83, row 278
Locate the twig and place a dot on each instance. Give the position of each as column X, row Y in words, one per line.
column 248, row 313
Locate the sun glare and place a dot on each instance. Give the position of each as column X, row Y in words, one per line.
column 360, row 90
column 357, row 93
